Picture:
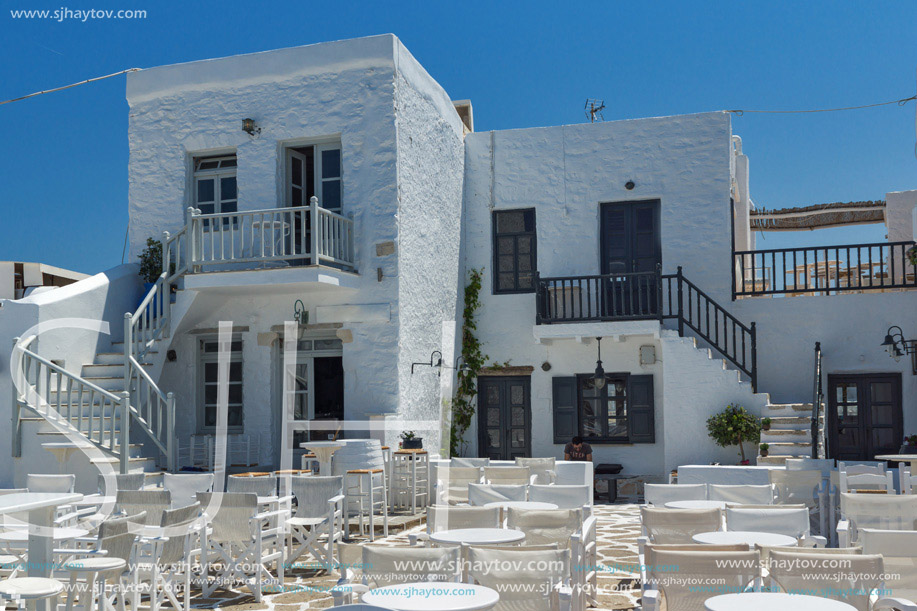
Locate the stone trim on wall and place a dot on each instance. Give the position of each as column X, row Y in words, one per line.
column 517, row 370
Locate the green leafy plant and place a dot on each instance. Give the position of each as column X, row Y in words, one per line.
column 734, row 426
column 764, row 448
column 464, row 404
column 407, row 435
column 910, row 440
column 151, row 261
column 912, row 255
column 765, row 424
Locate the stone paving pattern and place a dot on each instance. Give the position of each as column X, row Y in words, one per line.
column 619, row 588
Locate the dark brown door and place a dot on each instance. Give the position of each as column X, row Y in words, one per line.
column 504, row 417
column 631, row 250
column 864, row 415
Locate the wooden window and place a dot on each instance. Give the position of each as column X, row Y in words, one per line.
column 515, row 257
column 208, row 368
column 620, row 412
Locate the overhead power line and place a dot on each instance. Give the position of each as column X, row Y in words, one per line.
column 900, row 102
column 98, row 78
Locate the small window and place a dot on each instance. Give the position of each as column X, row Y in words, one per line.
column 208, row 375
column 515, row 257
column 622, row 411
column 215, row 190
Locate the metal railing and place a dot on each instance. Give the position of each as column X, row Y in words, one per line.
column 303, row 234
column 818, row 395
column 70, row 403
column 824, row 270
column 648, row 296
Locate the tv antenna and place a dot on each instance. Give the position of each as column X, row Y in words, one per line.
column 594, row 109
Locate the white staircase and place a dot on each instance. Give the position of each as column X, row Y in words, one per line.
column 790, row 435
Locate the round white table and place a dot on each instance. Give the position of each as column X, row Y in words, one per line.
column 748, row 537
column 773, row 601
column 323, row 451
column 477, row 536
column 911, row 458
column 698, row 504
column 424, row 596
column 521, row 505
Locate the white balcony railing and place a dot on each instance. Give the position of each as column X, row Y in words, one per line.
column 302, row 235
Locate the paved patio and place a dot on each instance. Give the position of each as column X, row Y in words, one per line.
column 618, row 529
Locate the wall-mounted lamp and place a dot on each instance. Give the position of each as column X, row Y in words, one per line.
column 464, row 367
column 249, row 127
column 897, row 346
column 599, row 371
column 300, row 313
column 436, row 360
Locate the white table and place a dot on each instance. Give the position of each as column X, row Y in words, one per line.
column 323, row 451
column 521, row 505
column 91, row 500
column 477, row 536
column 696, row 504
column 41, row 507
column 442, row 596
column 911, row 458
column 773, row 601
column 748, row 537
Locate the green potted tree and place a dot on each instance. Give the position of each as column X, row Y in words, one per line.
column 150, row 263
column 763, row 448
column 410, row 441
column 734, row 426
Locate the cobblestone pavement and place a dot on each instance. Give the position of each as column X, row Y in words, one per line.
column 618, row 529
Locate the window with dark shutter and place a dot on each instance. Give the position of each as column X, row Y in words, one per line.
column 641, row 421
column 515, row 259
column 566, row 414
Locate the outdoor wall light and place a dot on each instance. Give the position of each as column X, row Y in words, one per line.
column 599, row 371
column 896, row 345
column 464, row 367
column 300, row 313
column 436, row 360
column 249, row 127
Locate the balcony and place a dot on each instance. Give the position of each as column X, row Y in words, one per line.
column 275, row 242
column 824, row 270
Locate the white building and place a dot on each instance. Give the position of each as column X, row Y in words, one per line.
column 21, row 278
column 587, row 226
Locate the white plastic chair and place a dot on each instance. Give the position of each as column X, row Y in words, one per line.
column 151, row 503
column 121, row 481
column 858, row 467
column 446, row 517
column 789, row 521
column 481, row 494
column 40, row 482
column 867, row 481
column 879, row 511
column 646, row 557
column 165, row 563
column 660, row 494
column 262, row 486
column 540, row 578
column 185, row 486
column 451, row 486
column 543, row 470
column 319, row 512
column 735, row 571
column 742, row 493
column 819, row 574
column 386, row 566
column 241, row 541
column 507, row 475
column 810, row 489
column 897, row 548
column 677, row 526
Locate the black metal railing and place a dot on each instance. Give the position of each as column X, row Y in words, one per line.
column 647, row 296
column 824, row 270
column 818, row 395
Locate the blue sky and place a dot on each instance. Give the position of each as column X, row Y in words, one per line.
column 64, row 156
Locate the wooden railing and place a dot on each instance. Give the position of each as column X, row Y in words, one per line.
column 647, row 296
column 302, row 234
column 824, row 270
column 70, row 403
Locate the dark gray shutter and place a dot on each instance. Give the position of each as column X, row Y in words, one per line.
column 641, row 419
column 566, row 415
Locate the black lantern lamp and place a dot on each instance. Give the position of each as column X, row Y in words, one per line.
column 896, row 345
column 599, row 371
column 464, row 368
column 249, row 127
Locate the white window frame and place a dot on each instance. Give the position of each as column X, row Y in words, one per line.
column 235, row 356
column 317, row 148
column 223, row 170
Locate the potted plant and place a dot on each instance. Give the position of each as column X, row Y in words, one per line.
column 910, row 445
column 410, row 441
column 912, row 255
column 734, row 426
column 763, row 447
column 150, row 263
column 765, row 424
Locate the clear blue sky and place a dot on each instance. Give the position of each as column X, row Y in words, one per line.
column 64, row 156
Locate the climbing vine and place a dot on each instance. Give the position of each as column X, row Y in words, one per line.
column 463, row 405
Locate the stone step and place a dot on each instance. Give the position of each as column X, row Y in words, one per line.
column 772, row 460
column 114, row 383
column 109, row 358
column 791, row 435
column 96, row 370
column 787, row 409
column 793, row 422
column 783, row 448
